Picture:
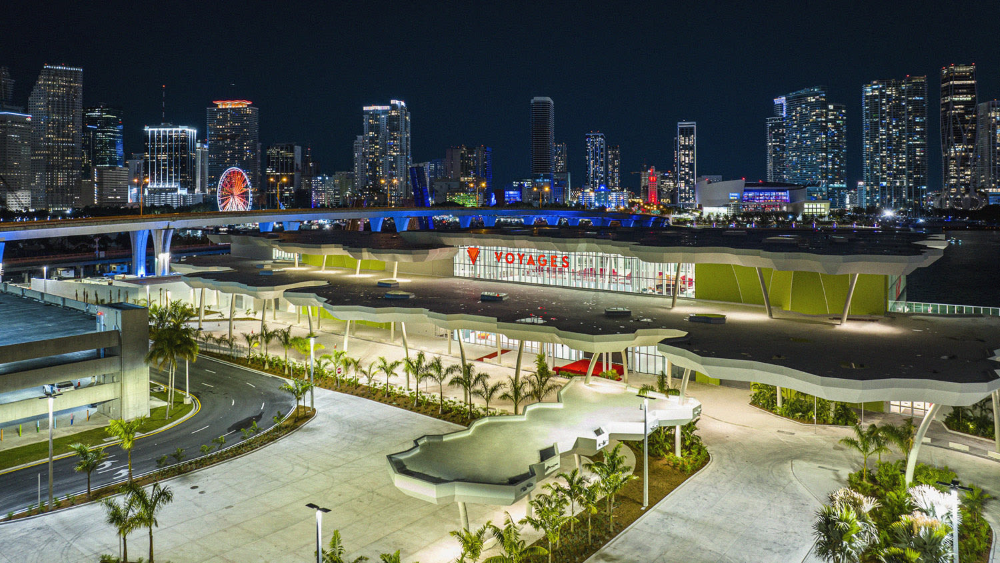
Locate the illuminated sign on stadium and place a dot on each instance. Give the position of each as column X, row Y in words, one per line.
column 528, row 259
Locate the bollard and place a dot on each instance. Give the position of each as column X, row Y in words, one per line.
column 71, row 416
column 19, row 430
column 88, row 415
column 37, row 427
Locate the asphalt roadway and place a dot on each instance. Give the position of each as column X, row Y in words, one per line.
column 231, row 399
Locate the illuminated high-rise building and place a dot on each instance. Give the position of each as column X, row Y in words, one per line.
column 894, row 147
column 102, row 137
column 776, row 149
column 596, row 161
column 233, row 141
column 614, row 167
column 543, row 148
column 56, row 108
column 988, row 150
column 958, row 127
column 201, row 185
column 6, row 88
column 471, row 166
column 15, row 158
column 170, row 165
column 560, row 158
column 283, row 175
column 385, row 150
column 686, row 155
column 815, row 141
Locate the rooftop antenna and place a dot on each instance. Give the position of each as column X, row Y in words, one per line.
column 163, row 106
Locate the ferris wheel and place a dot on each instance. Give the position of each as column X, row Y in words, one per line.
column 234, row 190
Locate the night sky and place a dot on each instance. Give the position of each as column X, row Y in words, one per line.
column 467, row 70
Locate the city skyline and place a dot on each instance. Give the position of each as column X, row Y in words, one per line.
column 492, row 115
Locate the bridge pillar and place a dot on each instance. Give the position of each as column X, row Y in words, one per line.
column 402, row 224
column 139, row 240
column 465, row 221
column 376, row 223
column 266, row 227
column 529, row 220
column 627, row 222
column 426, row 223
column 648, row 222
column 291, row 225
column 490, row 220
column 161, row 246
column 573, row 221
column 1, row 258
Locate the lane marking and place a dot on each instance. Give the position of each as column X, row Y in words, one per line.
column 199, row 430
column 207, row 385
column 262, row 407
column 233, row 404
column 209, row 371
column 250, row 384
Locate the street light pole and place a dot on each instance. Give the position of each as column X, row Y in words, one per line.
column 50, row 397
column 954, row 486
column 645, row 453
column 319, row 529
column 312, row 388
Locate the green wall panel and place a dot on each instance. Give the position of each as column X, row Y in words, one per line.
column 716, row 282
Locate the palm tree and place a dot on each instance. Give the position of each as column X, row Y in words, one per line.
column 147, row 504
column 172, row 339
column 337, row 551
column 517, row 391
column 417, row 367
column 549, row 517
column 467, row 379
column 574, row 490
column 284, row 337
column 267, row 336
column 125, row 432
column 488, row 392
column 472, row 543
column 388, row 368
column 900, row 436
column 389, row 557
column 122, row 517
column 437, row 372
column 588, row 501
column 89, row 460
column 867, row 442
column 844, row 530
column 514, row 549
column 540, row 384
column 298, row 388
column 613, row 475
column 928, row 537
column 251, row 340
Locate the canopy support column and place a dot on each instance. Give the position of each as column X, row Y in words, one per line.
column 357, row 271
column 406, row 353
column 684, row 384
column 590, row 368
column 201, row 309
column 263, row 314
column 677, row 440
column 670, row 373
column 347, row 335
column 463, row 516
column 625, row 366
column 395, row 269
column 763, row 289
column 461, row 347
column 232, row 313
column 309, row 315
column 677, row 285
column 850, row 294
column 392, row 332
column 517, row 365
column 499, row 351
column 996, row 420
column 778, row 394
column 911, row 459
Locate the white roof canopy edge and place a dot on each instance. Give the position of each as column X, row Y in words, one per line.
column 834, row 388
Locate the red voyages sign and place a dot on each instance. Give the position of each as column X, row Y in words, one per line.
column 524, row 258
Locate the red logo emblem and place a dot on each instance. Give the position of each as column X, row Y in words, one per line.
column 473, row 254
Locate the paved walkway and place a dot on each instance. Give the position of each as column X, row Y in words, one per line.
column 755, row 501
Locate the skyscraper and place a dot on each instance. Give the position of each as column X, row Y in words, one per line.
column 894, row 148
column 958, row 127
column 233, row 140
column 102, row 137
column 6, row 87
column 542, row 147
column 201, row 168
column 471, row 166
column 596, row 161
column 283, row 174
column 15, row 158
column 56, row 107
column 386, row 154
column 815, row 141
column 560, row 158
column 776, row 149
column 170, row 165
column 614, row 167
column 686, row 151
column 360, row 173
column 988, row 150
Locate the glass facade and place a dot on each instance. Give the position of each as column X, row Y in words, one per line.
column 585, row 270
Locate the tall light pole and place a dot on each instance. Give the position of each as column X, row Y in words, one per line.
column 312, row 388
column 319, row 529
column 645, row 452
column 954, row 486
column 50, row 395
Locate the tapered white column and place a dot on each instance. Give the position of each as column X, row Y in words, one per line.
column 850, row 295
column 201, row 309
column 347, row 335
column 590, row 368
column 463, row 516
column 911, row 459
column 996, row 420
column 677, row 285
column 763, row 289
column 684, row 384
column 625, row 366
column 461, row 347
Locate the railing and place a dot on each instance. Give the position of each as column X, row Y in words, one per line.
column 941, row 309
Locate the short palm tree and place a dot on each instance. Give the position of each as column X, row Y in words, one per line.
column 333, row 363
column 588, row 501
column 540, row 384
column 844, row 529
column 252, row 340
column 549, row 517
column 867, row 442
column 416, row 367
column 125, row 432
column 88, row 460
column 389, row 369
column 121, row 515
column 147, row 505
column 389, row 557
column 613, row 475
column 517, row 391
column 488, row 392
column 513, row 548
column 337, row 551
column 574, row 489
column 437, row 372
column 900, row 436
column 298, row 388
column 285, row 338
column 467, row 379
column 472, row 543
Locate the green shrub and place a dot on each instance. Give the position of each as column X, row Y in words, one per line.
column 764, row 396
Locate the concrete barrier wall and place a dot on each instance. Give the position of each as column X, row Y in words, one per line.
column 33, row 407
